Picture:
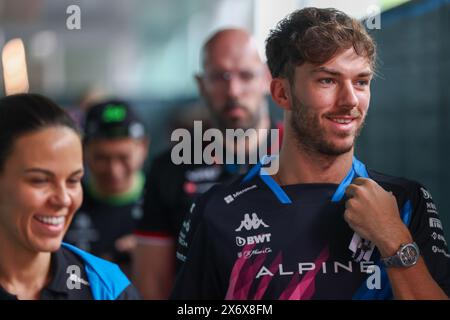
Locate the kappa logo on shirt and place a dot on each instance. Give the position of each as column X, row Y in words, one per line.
column 251, row 223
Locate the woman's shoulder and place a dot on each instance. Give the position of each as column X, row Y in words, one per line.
column 106, row 280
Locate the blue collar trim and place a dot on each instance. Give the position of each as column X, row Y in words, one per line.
column 358, row 169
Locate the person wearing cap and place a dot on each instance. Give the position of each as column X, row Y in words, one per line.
column 115, row 145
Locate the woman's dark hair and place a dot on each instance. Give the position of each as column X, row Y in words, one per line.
column 24, row 113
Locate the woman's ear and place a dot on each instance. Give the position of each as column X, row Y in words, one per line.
column 280, row 91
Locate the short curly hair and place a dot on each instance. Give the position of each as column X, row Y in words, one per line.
column 315, row 35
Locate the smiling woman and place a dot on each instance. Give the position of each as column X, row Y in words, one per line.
column 41, row 166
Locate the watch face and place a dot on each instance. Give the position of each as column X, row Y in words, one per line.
column 409, row 255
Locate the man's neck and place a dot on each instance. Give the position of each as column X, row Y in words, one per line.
column 299, row 165
column 22, row 272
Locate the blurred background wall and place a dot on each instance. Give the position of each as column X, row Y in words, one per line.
column 408, row 128
column 147, row 51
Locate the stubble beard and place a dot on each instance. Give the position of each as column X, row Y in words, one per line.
column 310, row 137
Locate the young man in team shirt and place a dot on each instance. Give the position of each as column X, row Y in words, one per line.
column 323, row 226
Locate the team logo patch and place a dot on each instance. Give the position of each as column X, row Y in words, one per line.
column 252, row 240
column 231, row 197
column 251, row 223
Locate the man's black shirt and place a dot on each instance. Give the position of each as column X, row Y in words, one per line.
column 253, row 239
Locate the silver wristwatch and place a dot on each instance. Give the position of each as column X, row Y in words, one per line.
column 406, row 256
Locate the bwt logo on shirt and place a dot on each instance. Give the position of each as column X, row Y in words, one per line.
column 260, row 238
column 426, row 194
column 251, row 223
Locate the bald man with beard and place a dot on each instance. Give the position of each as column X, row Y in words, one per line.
column 233, row 83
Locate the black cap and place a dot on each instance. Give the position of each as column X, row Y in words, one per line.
column 112, row 119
